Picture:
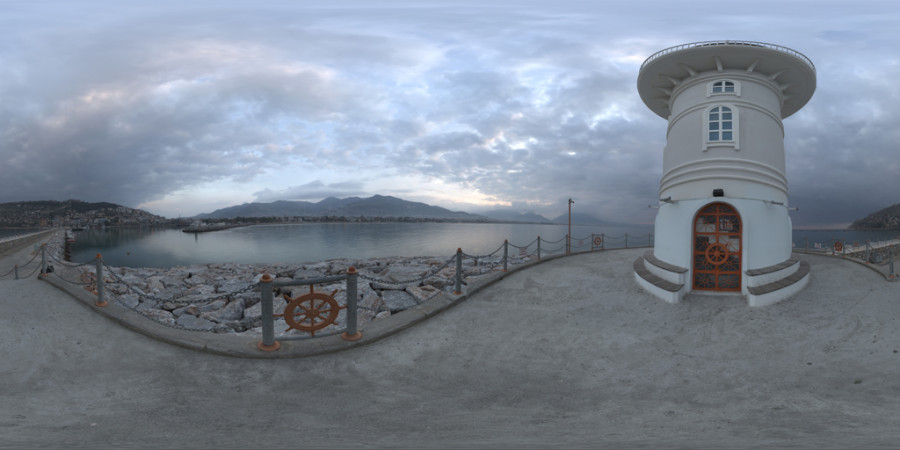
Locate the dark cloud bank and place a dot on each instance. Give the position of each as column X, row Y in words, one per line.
column 527, row 104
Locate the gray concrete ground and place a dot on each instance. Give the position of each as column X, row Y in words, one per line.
column 568, row 353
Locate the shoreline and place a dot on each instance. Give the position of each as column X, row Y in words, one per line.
column 221, row 298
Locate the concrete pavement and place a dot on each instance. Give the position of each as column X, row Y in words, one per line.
column 567, row 353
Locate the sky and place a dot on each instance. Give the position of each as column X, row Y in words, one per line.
column 184, row 107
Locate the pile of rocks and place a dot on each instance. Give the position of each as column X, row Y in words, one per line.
column 224, row 298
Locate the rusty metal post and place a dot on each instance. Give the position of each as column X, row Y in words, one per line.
column 569, row 236
column 101, row 301
column 268, row 343
column 458, row 287
column 43, row 260
column 539, row 247
column 351, row 333
column 505, row 254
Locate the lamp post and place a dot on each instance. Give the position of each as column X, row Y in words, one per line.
column 569, row 236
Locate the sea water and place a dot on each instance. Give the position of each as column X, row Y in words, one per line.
column 298, row 243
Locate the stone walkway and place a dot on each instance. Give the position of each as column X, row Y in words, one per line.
column 568, row 353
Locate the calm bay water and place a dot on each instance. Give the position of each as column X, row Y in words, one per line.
column 297, row 243
column 11, row 232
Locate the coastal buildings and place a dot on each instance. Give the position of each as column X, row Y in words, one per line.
column 723, row 224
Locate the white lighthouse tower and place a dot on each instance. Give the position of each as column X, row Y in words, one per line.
column 723, row 224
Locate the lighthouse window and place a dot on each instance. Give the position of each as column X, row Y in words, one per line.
column 723, row 87
column 720, row 124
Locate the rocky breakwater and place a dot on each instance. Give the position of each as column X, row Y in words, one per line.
column 225, row 298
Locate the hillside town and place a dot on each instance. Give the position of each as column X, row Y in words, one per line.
column 75, row 214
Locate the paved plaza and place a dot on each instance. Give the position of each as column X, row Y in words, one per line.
column 567, row 353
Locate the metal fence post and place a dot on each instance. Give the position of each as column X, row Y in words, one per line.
column 539, row 247
column 101, row 301
column 351, row 333
column 505, row 254
column 568, row 244
column 43, row 260
column 268, row 343
column 458, row 287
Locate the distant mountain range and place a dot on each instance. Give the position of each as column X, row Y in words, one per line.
column 384, row 206
column 375, row 206
column 506, row 215
column 885, row 219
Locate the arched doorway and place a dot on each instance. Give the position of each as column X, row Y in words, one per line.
column 717, row 248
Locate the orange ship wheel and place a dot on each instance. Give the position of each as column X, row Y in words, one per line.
column 310, row 312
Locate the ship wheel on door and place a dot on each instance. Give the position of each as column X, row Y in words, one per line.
column 717, row 248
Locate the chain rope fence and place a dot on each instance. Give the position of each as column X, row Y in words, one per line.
column 161, row 308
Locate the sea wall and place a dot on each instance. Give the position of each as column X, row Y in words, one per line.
column 224, row 298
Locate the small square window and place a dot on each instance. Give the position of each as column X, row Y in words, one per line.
column 726, row 136
column 714, row 136
column 729, row 87
column 725, row 125
column 717, row 89
column 713, row 116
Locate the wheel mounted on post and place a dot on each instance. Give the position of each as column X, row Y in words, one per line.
column 310, row 312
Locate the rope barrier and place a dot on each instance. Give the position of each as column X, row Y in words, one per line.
column 31, row 274
column 79, row 283
column 485, row 256
column 526, row 246
column 71, row 264
column 416, row 280
column 22, row 266
column 490, row 260
column 558, row 249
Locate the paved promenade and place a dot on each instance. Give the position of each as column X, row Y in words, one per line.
column 568, row 353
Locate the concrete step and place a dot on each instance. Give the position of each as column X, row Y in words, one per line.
column 655, row 280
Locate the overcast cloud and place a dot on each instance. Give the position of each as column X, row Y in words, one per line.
column 185, row 108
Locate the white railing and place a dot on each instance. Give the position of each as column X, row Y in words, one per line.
column 779, row 48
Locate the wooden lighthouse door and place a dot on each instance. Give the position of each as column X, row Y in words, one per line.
column 717, row 248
